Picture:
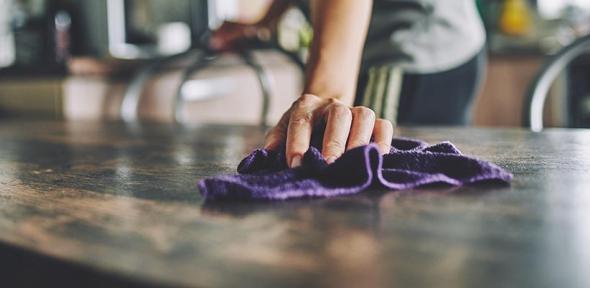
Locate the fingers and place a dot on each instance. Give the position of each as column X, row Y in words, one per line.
column 345, row 128
column 276, row 136
column 299, row 129
column 382, row 135
column 339, row 121
column 274, row 139
column 363, row 121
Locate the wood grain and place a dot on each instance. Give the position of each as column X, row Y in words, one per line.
column 122, row 201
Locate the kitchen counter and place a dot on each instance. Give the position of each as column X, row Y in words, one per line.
column 107, row 204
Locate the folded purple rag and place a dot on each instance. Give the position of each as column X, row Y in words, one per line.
column 410, row 163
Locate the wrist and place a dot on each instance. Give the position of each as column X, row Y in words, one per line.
column 327, row 87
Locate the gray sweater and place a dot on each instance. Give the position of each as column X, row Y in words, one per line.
column 424, row 36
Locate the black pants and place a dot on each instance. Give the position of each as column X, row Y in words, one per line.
column 443, row 98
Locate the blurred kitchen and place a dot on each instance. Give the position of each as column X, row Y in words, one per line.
column 148, row 60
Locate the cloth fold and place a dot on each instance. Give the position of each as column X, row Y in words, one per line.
column 264, row 175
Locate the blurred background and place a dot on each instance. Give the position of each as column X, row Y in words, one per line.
column 148, row 60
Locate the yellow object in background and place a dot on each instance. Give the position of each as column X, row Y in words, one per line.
column 516, row 18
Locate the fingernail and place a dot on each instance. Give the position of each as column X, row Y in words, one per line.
column 296, row 161
column 330, row 159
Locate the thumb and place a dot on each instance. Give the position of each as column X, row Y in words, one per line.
column 275, row 138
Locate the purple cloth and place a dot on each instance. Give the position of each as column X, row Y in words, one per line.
column 263, row 175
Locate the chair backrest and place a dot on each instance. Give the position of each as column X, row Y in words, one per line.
column 539, row 87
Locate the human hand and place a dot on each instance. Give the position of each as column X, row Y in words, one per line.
column 345, row 128
column 232, row 35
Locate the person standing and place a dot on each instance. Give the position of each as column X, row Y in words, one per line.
column 413, row 62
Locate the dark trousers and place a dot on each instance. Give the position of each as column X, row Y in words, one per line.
column 443, row 98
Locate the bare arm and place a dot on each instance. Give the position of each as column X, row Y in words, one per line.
column 340, row 28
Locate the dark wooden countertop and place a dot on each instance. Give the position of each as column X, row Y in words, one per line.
column 115, row 205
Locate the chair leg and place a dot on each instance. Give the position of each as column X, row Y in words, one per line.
column 130, row 104
column 201, row 61
column 264, row 82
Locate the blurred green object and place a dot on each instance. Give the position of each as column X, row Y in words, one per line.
column 306, row 35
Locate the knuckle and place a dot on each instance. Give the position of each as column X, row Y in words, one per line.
column 294, row 149
column 384, row 124
column 306, row 98
column 298, row 105
column 300, row 119
column 363, row 112
column 340, row 111
column 359, row 142
column 333, row 101
column 304, row 101
column 334, row 146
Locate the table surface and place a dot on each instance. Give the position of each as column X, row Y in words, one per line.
column 121, row 202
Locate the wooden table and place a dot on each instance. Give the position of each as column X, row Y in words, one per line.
column 112, row 205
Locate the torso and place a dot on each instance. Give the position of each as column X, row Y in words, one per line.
column 424, row 36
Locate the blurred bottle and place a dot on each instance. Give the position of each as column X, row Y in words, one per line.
column 62, row 22
column 516, row 18
column 7, row 50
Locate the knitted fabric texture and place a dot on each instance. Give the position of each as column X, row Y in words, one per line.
column 264, row 175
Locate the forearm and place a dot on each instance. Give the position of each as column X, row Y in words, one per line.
column 340, row 29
